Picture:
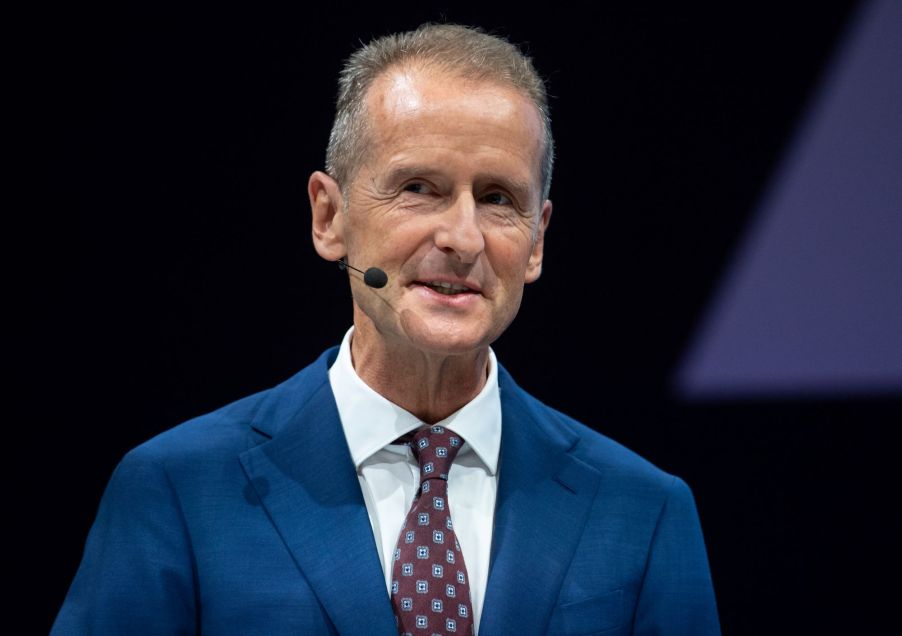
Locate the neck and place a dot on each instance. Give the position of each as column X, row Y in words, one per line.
column 429, row 385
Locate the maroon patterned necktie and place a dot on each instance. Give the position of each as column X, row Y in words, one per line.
column 430, row 591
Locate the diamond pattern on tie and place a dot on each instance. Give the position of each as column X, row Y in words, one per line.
column 430, row 590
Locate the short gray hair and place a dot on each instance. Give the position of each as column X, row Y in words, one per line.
column 468, row 51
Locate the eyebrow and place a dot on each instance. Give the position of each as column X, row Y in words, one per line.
column 402, row 173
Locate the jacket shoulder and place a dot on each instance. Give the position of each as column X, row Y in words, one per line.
column 237, row 426
column 601, row 452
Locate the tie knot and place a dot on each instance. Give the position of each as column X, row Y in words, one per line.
column 435, row 448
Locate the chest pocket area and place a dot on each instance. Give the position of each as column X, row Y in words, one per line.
column 597, row 615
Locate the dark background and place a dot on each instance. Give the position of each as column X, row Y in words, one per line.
column 175, row 271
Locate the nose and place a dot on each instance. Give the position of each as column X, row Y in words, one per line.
column 459, row 233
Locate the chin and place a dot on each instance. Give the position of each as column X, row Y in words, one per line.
column 450, row 348
column 442, row 338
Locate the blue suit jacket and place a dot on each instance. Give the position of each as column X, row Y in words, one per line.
column 250, row 520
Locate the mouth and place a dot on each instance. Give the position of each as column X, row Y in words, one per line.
column 446, row 288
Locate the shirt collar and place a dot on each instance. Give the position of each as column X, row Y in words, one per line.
column 371, row 422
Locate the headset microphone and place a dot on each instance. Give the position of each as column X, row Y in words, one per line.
column 373, row 277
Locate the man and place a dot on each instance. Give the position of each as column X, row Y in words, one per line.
column 304, row 509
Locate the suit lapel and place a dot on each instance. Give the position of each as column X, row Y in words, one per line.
column 306, row 481
column 544, row 495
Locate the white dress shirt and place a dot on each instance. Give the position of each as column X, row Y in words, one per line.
column 390, row 476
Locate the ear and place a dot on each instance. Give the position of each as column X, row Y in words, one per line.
column 534, row 266
column 327, row 206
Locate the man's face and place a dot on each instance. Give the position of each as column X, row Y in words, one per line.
column 448, row 203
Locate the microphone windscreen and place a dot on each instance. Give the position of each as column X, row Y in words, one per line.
column 375, row 277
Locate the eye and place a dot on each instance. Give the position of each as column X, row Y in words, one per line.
column 417, row 187
column 497, row 198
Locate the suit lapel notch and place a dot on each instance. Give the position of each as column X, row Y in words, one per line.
column 306, row 481
column 544, row 497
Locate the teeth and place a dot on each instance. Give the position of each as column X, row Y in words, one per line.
column 447, row 288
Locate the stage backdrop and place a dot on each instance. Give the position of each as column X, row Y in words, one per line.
column 726, row 225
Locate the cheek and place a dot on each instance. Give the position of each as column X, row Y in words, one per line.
column 402, row 241
column 398, row 243
column 509, row 258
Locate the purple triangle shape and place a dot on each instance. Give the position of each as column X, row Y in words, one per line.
column 812, row 303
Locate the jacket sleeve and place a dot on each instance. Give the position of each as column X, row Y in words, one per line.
column 137, row 572
column 677, row 597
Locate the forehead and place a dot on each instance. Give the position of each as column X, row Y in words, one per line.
column 419, row 108
column 404, row 90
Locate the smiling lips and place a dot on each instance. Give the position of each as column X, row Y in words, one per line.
column 444, row 287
